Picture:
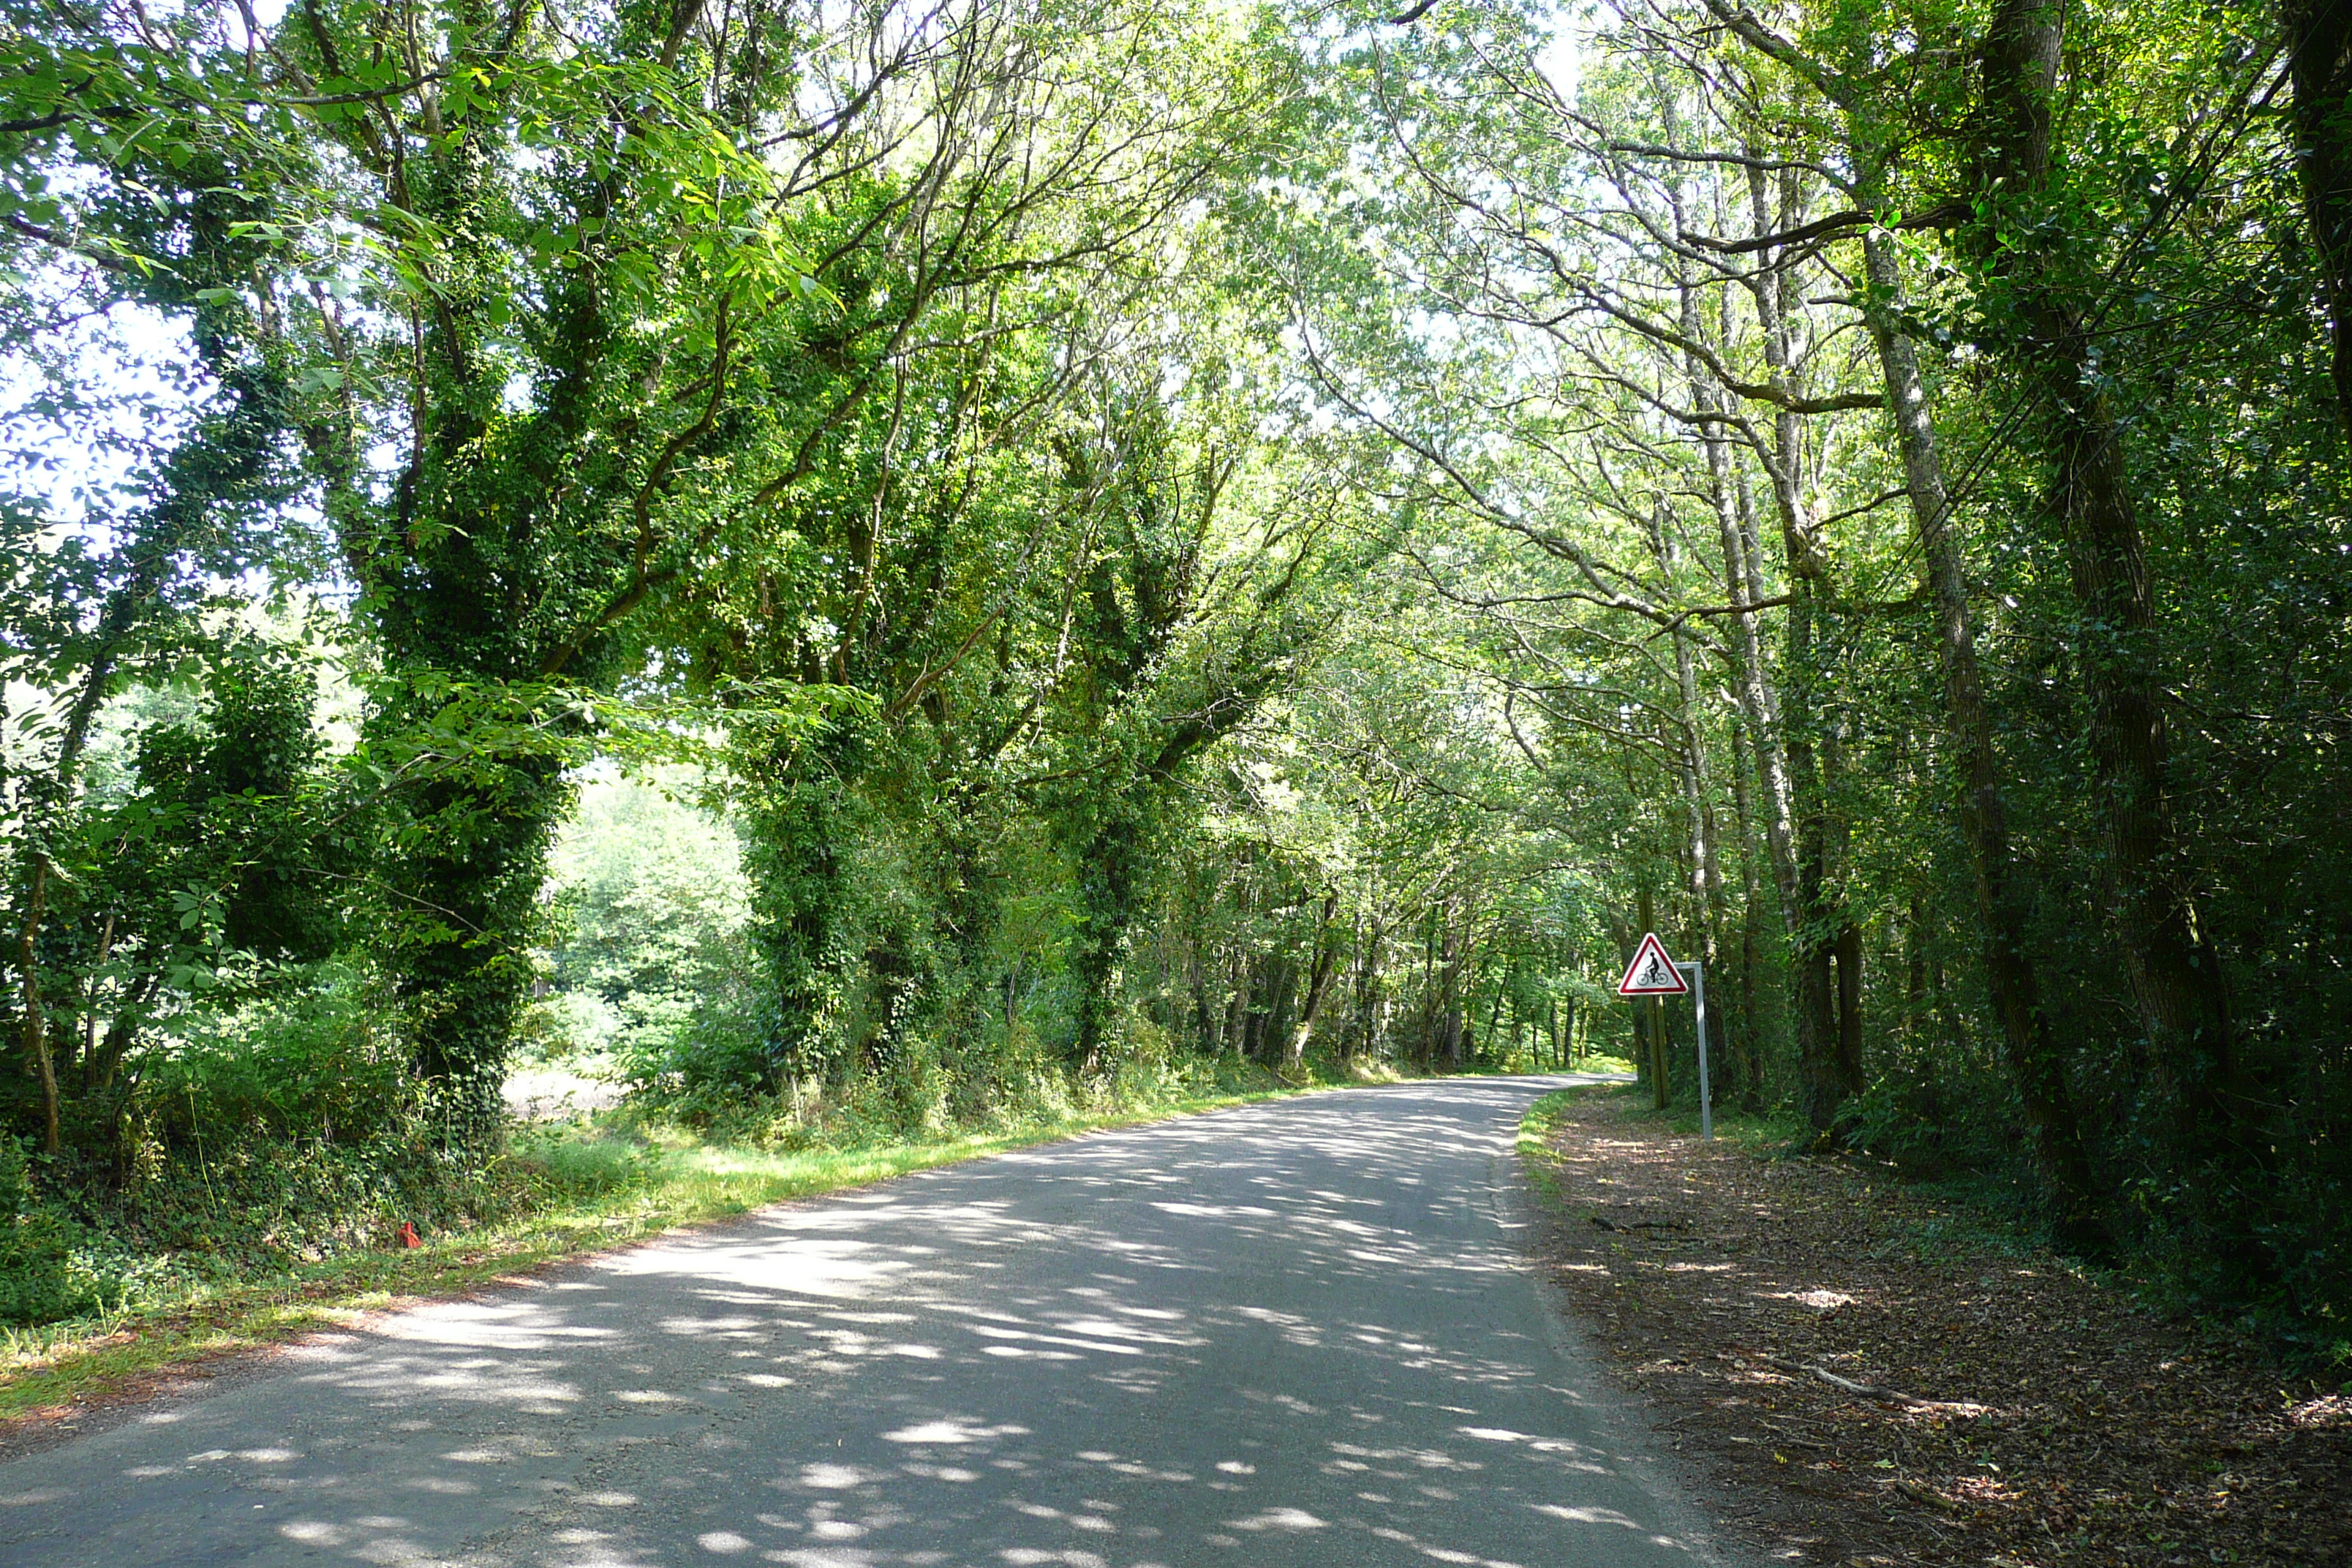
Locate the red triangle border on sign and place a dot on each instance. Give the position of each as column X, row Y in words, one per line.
column 1656, row 986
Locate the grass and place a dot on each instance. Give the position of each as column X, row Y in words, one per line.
column 1542, row 1124
column 1603, row 1064
column 1771, row 1134
column 1536, row 1128
column 635, row 1186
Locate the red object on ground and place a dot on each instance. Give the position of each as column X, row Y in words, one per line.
column 408, row 1237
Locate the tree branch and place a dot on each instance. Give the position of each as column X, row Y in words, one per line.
column 1942, row 216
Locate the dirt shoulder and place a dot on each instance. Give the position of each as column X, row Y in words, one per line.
column 2011, row 1411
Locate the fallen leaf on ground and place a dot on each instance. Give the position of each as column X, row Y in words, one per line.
column 2018, row 1411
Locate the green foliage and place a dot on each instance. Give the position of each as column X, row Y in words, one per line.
column 649, row 890
column 650, row 955
column 1175, row 545
column 52, row 1267
column 321, row 1055
column 224, row 822
column 210, row 857
column 285, row 1130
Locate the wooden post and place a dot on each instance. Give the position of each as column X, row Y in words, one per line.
column 1659, row 1092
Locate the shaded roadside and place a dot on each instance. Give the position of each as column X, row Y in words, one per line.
column 1867, row 1376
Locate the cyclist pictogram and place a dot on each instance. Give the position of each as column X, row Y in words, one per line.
column 1652, row 973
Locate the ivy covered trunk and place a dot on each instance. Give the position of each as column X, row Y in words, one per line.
column 801, row 903
column 1814, row 932
column 464, row 971
column 2002, row 896
column 2174, row 971
column 1114, row 870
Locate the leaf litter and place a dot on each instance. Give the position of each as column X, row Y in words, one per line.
column 1869, row 1378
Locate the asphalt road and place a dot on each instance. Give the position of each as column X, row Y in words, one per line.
column 1298, row 1333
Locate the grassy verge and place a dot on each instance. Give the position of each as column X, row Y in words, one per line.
column 619, row 1187
column 1756, row 1134
column 1596, row 1063
column 1541, row 1123
column 1536, row 1129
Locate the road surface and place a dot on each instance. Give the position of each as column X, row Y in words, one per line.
column 1300, row 1334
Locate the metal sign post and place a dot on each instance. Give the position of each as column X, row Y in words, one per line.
column 1653, row 973
column 1698, row 972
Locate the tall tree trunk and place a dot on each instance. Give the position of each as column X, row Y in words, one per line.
column 2319, row 61
column 2173, row 969
column 1450, row 1044
column 1849, row 999
column 36, row 1013
column 1204, row 1016
column 1235, row 1034
column 1846, row 943
column 1914, row 972
column 1762, row 756
column 1760, row 702
column 1811, row 921
column 1821, row 1087
column 1705, row 878
column 1318, row 978
column 1744, row 1052
column 1705, row 887
column 1367, row 994
column 1114, row 871
column 1254, row 987
column 1274, row 1034
column 2035, row 1064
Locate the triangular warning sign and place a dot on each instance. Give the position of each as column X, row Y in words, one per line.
column 1652, row 973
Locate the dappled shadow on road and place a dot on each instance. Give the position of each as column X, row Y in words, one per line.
column 1299, row 1333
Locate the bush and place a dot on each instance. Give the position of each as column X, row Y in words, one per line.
column 321, row 1058
column 1938, row 1122
column 278, row 1132
column 51, row 1265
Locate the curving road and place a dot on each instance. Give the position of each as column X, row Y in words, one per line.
column 1297, row 1333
